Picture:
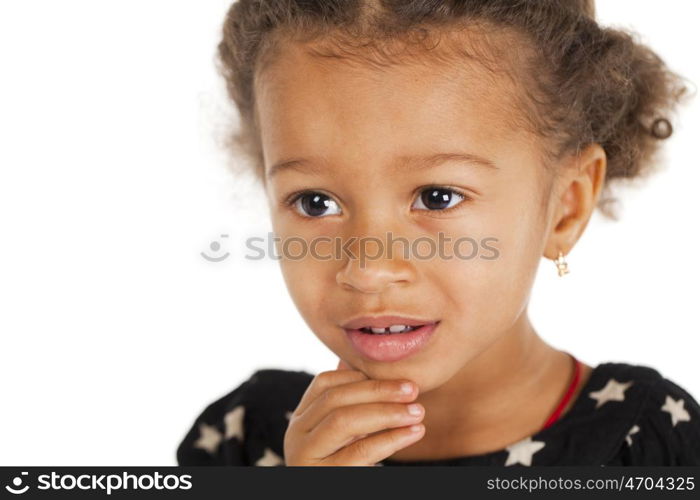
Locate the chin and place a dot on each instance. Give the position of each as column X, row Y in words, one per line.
column 425, row 374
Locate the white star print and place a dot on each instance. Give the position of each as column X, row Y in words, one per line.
column 209, row 438
column 633, row 430
column 234, row 423
column 269, row 459
column 522, row 451
column 613, row 391
column 676, row 410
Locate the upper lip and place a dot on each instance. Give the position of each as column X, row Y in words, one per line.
column 384, row 322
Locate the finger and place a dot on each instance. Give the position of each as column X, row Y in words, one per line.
column 375, row 448
column 340, row 427
column 363, row 391
column 323, row 381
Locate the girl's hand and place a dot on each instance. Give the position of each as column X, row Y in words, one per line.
column 345, row 418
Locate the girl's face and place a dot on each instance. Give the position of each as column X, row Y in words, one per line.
column 361, row 133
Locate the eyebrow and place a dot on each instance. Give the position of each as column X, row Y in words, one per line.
column 403, row 164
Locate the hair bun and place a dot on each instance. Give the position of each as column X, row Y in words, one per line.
column 661, row 128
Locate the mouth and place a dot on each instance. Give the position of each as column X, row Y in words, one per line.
column 389, row 338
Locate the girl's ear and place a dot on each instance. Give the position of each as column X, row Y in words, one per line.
column 579, row 188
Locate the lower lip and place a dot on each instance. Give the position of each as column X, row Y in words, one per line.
column 392, row 346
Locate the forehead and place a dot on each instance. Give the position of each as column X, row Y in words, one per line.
column 315, row 105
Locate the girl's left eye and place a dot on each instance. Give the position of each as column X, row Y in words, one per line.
column 313, row 204
column 438, row 198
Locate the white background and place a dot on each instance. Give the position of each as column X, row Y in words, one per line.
column 115, row 332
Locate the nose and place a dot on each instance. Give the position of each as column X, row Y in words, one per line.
column 372, row 267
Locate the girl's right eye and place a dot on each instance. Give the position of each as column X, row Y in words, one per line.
column 314, row 204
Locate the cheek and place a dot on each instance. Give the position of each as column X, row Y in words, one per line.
column 310, row 283
column 305, row 286
column 487, row 293
column 312, row 287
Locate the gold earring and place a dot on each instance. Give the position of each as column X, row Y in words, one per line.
column 562, row 266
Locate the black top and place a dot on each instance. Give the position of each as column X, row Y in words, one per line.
column 624, row 415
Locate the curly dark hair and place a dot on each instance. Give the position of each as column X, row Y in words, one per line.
column 580, row 83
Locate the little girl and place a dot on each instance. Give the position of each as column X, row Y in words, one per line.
column 471, row 138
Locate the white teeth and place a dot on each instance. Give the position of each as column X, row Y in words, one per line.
column 391, row 329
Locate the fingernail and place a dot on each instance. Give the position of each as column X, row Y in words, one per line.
column 414, row 409
column 416, row 428
column 407, row 388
